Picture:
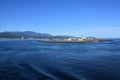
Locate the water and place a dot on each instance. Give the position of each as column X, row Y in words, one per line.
column 32, row 60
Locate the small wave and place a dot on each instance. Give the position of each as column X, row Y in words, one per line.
column 32, row 73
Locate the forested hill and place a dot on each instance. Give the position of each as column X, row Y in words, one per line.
column 27, row 34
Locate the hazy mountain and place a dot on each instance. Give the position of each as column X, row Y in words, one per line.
column 35, row 33
column 28, row 34
column 22, row 34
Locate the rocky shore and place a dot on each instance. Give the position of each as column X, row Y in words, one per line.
column 76, row 40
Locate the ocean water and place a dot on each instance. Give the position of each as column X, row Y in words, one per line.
column 32, row 60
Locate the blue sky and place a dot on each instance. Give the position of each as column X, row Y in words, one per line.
column 99, row 18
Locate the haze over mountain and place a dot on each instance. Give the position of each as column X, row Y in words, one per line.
column 28, row 34
column 25, row 33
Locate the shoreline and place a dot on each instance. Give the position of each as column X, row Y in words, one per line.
column 76, row 41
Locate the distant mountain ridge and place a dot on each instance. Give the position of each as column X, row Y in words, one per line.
column 27, row 34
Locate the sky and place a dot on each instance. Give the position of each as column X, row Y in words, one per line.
column 98, row 18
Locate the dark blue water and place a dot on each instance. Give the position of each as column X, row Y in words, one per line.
column 59, row 61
